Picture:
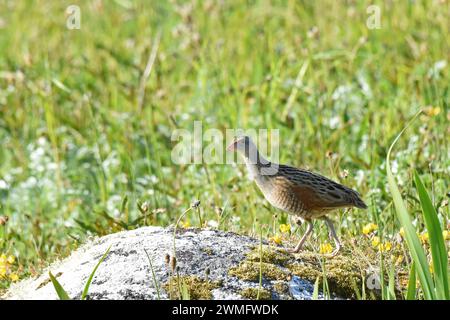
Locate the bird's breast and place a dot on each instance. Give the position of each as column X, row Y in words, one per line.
column 279, row 196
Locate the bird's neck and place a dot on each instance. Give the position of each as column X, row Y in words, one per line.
column 255, row 162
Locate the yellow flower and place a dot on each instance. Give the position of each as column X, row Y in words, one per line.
column 13, row 277
column 2, row 270
column 285, row 228
column 399, row 260
column 370, row 227
column 325, row 248
column 402, row 232
column 432, row 111
column 430, row 266
column 11, row 259
column 276, row 239
column 376, row 241
column 424, row 237
column 383, row 247
column 185, row 224
column 446, row 235
column 2, row 259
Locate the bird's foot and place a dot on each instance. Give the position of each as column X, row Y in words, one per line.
column 292, row 250
column 332, row 254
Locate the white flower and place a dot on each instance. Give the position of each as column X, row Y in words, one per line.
column 435, row 70
column 3, row 185
column 42, row 141
column 236, row 220
column 212, row 224
column 359, row 177
column 31, row 182
column 335, row 122
column 52, row 166
column 37, row 154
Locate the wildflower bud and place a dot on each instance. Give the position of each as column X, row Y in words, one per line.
column 344, row 174
column 173, row 263
column 144, row 207
column 3, row 220
column 219, row 210
column 195, row 204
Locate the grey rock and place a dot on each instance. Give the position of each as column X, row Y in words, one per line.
column 126, row 274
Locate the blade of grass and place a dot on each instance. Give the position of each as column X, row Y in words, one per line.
column 436, row 239
column 260, row 265
column 153, row 275
column 62, row 294
column 413, row 242
column 88, row 283
column 391, row 286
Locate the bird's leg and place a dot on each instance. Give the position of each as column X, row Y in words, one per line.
column 333, row 235
column 303, row 239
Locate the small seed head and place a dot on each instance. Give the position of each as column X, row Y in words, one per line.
column 167, row 259
column 3, row 220
column 195, row 204
column 173, row 263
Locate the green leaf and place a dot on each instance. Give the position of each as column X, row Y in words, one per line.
column 315, row 295
column 413, row 242
column 411, row 290
column 436, row 239
column 123, row 207
column 88, row 283
column 185, row 291
column 62, row 294
column 391, row 287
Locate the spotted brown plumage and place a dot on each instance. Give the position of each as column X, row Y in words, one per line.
column 299, row 192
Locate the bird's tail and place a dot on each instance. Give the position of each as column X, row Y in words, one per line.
column 359, row 203
column 355, row 199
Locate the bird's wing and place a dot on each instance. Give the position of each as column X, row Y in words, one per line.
column 319, row 192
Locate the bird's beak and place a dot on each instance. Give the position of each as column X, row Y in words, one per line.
column 232, row 146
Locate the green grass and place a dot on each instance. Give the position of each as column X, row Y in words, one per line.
column 85, row 123
column 62, row 293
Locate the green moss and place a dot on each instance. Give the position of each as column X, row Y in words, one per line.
column 252, row 293
column 269, row 255
column 249, row 270
column 196, row 288
column 281, row 287
column 343, row 275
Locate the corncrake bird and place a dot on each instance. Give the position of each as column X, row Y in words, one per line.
column 301, row 193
